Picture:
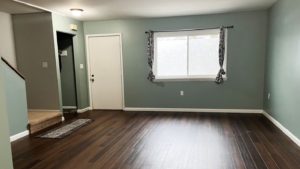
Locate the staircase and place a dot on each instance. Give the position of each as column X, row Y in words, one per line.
column 40, row 120
column 14, row 93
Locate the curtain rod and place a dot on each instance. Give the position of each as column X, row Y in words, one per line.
column 226, row 27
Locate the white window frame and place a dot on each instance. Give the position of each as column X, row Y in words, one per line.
column 187, row 77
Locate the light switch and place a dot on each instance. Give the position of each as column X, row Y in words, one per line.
column 81, row 66
column 45, row 64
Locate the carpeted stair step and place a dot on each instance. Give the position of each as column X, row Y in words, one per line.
column 39, row 120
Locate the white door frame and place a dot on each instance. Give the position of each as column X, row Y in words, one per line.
column 89, row 68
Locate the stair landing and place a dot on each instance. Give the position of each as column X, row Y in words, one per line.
column 40, row 120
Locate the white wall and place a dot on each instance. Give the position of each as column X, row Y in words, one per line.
column 7, row 46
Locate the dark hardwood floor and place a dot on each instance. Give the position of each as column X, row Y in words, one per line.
column 127, row 140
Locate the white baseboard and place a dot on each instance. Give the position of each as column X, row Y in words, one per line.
column 255, row 111
column 69, row 107
column 84, row 110
column 282, row 128
column 19, row 135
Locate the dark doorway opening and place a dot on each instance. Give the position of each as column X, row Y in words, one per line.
column 67, row 71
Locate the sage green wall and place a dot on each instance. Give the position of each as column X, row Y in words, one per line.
column 246, row 58
column 283, row 65
column 16, row 103
column 35, row 44
column 62, row 24
column 5, row 149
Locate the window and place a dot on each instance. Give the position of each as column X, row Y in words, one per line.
column 187, row 55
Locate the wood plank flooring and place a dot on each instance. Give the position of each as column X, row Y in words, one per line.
column 137, row 140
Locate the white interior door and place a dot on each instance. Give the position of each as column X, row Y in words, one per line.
column 105, row 72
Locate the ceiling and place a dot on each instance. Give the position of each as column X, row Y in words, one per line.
column 12, row 7
column 117, row 9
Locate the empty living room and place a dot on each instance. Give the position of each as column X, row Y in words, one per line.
column 161, row 84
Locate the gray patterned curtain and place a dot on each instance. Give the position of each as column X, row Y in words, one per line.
column 150, row 53
column 219, row 78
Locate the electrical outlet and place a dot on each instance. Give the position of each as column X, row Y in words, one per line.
column 181, row 93
column 269, row 96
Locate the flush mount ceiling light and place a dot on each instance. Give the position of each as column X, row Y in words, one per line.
column 76, row 11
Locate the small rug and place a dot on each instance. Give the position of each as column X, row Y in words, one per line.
column 66, row 130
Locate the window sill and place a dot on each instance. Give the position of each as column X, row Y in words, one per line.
column 203, row 79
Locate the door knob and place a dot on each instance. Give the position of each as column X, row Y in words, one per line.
column 92, row 79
